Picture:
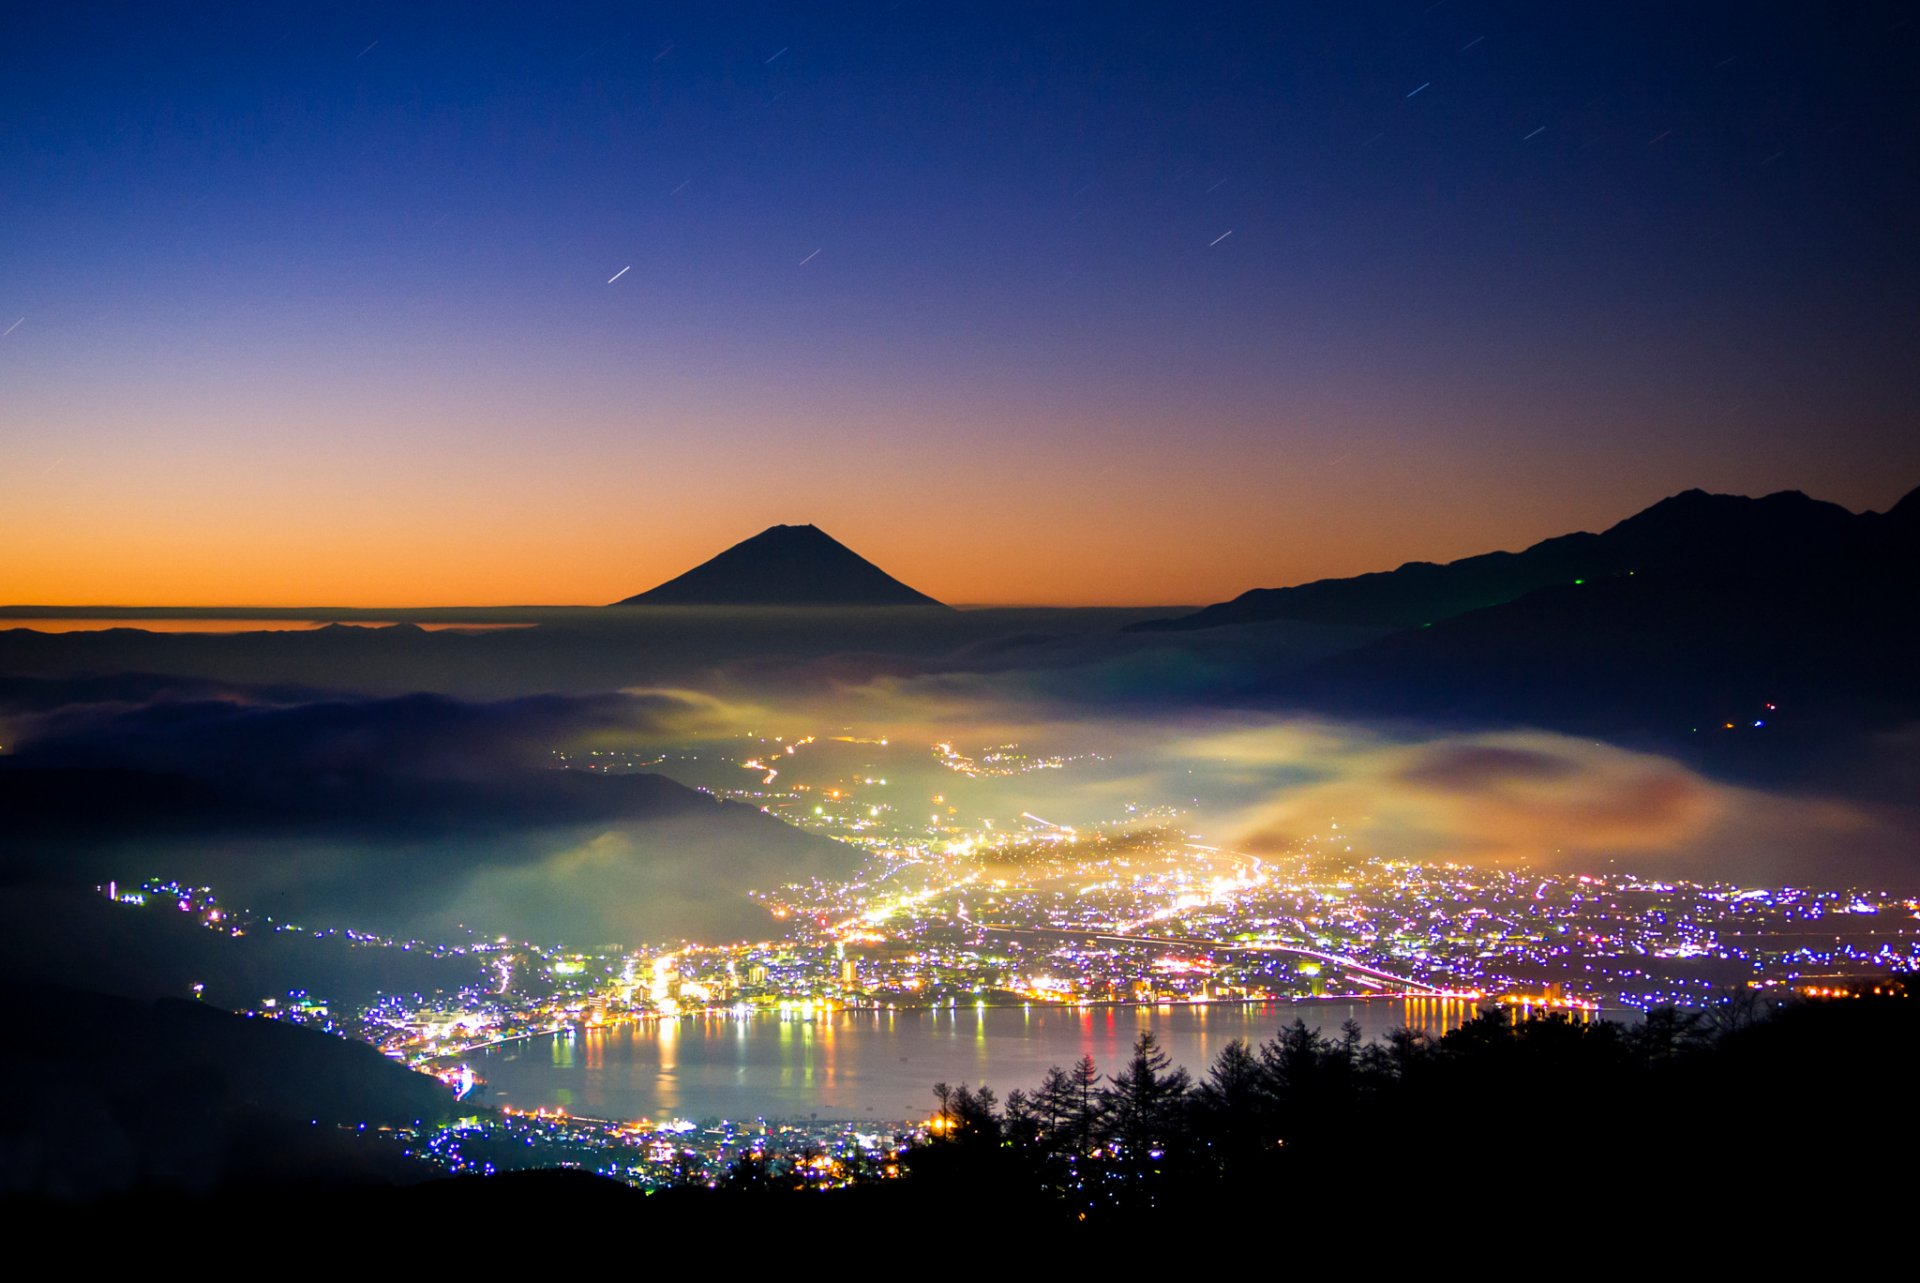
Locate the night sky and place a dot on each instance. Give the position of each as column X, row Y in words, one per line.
column 466, row 304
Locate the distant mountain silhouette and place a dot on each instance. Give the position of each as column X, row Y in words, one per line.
column 1690, row 533
column 784, row 566
column 1770, row 637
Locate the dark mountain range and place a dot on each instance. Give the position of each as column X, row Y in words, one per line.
column 1769, row 638
column 1691, row 534
column 784, row 566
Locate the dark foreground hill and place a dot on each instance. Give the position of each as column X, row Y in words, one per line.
column 102, row 1095
column 784, row 566
column 73, row 936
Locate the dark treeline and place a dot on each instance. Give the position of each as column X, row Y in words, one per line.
column 1792, row 1106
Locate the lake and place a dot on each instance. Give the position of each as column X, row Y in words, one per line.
column 882, row 1064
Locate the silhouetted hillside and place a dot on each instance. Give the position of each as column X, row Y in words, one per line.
column 75, row 937
column 101, row 1095
column 784, row 566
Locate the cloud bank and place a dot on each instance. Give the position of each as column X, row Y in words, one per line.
column 396, row 812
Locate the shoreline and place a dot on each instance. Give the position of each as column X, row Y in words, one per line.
column 451, row 1059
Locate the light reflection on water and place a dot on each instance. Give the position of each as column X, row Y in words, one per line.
column 882, row 1064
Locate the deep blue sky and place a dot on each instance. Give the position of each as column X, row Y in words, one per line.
column 1091, row 303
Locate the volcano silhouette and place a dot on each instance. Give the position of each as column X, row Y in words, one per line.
column 784, row 566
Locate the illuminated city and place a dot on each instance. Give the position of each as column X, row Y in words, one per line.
column 816, row 637
column 1134, row 910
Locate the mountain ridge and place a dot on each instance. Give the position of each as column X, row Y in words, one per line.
column 784, row 566
column 1777, row 651
column 1693, row 532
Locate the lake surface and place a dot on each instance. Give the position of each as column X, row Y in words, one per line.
column 882, row 1064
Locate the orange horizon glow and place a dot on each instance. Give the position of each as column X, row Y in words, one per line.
column 471, row 503
column 198, row 625
column 1118, row 554
column 127, row 558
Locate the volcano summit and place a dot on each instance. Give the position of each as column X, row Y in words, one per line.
column 784, row 566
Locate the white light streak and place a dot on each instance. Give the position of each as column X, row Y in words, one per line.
column 622, row 272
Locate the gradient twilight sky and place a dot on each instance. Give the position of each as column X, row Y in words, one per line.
column 1095, row 304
